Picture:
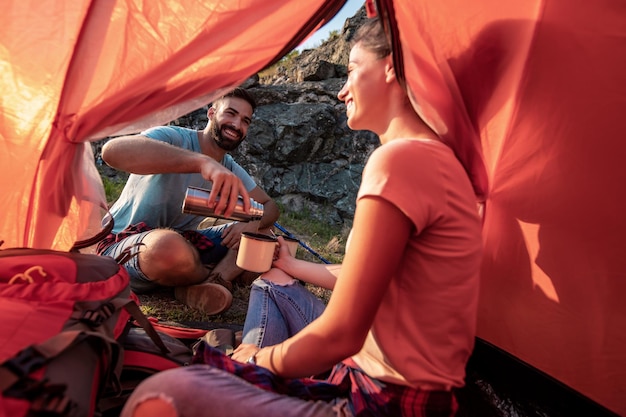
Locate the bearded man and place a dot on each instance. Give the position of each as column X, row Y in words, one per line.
column 172, row 250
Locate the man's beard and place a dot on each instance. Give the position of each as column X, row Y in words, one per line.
column 222, row 141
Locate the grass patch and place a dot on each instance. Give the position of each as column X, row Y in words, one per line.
column 326, row 239
column 284, row 64
column 163, row 306
column 112, row 188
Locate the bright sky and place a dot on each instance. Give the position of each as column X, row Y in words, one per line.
column 348, row 10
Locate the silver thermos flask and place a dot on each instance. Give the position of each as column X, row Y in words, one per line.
column 196, row 199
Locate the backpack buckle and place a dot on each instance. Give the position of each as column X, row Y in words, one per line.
column 95, row 318
column 26, row 361
column 45, row 399
column 51, row 401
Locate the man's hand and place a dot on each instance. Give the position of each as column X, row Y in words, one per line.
column 232, row 234
column 226, row 185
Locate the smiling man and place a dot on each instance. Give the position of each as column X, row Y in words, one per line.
column 163, row 162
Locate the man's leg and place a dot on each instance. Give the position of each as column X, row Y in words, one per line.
column 169, row 260
column 224, row 259
column 226, row 269
column 166, row 259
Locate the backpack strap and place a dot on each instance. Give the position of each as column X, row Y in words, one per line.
column 141, row 319
column 107, row 227
column 177, row 331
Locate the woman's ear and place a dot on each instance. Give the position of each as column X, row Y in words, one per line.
column 390, row 72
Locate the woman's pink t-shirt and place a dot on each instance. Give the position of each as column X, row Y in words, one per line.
column 423, row 332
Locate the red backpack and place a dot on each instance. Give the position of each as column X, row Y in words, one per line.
column 65, row 320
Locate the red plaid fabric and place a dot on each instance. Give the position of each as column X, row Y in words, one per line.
column 197, row 239
column 367, row 396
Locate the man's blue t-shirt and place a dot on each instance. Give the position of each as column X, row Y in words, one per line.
column 157, row 199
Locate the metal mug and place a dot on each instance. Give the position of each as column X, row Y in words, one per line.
column 256, row 252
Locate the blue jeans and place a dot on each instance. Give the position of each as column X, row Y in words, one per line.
column 139, row 282
column 277, row 312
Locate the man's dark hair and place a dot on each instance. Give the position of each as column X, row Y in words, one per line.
column 241, row 93
column 372, row 36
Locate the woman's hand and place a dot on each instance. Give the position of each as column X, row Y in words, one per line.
column 282, row 256
column 279, row 274
column 264, row 357
column 244, row 352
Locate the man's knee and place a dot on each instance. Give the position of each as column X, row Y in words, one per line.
column 166, row 250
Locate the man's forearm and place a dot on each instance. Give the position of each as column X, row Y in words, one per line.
column 270, row 214
column 141, row 155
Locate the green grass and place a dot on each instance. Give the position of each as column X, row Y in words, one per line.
column 286, row 62
column 325, row 239
column 112, row 189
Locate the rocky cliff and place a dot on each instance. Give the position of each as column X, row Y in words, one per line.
column 299, row 148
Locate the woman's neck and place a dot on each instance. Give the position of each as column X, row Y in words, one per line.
column 407, row 124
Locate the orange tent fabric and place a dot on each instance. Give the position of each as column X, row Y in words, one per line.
column 531, row 96
column 82, row 70
column 539, row 89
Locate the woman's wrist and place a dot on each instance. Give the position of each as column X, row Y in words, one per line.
column 291, row 266
column 265, row 357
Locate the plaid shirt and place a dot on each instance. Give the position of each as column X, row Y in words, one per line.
column 200, row 241
column 367, row 396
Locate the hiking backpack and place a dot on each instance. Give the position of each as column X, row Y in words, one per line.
column 67, row 319
column 141, row 359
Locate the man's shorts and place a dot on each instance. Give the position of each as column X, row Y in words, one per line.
column 139, row 282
